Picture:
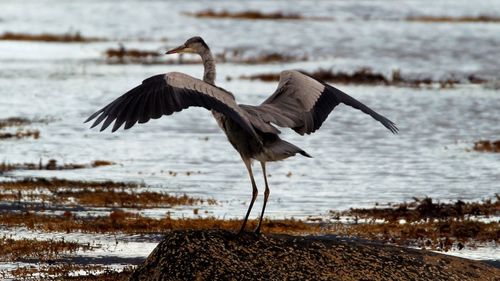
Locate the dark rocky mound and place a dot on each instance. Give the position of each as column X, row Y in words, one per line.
column 219, row 255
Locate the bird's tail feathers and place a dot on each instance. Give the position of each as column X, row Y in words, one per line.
column 282, row 149
column 305, row 154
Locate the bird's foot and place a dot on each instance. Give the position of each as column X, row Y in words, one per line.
column 240, row 232
column 256, row 231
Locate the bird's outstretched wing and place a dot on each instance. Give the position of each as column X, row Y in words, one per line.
column 303, row 103
column 165, row 94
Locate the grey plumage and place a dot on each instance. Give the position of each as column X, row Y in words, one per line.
column 303, row 103
column 165, row 94
column 300, row 102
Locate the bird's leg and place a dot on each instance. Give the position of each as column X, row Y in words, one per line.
column 266, row 195
column 248, row 164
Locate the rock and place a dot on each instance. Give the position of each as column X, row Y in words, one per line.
column 220, row 255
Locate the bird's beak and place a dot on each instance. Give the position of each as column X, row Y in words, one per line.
column 180, row 49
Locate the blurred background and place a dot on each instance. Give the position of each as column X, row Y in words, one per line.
column 431, row 67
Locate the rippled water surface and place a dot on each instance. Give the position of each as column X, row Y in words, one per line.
column 357, row 162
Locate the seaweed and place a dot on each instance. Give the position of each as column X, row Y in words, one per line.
column 14, row 122
column 249, row 15
column 52, row 165
column 448, row 19
column 84, row 194
column 119, row 221
column 19, row 134
column 123, row 55
column 54, row 184
column 365, row 76
column 487, row 146
column 425, row 224
column 48, row 37
column 42, row 250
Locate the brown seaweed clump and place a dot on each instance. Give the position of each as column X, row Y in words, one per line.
column 362, row 76
column 119, row 221
column 465, row 19
column 102, row 275
column 123, row 55
column 427, row 209
column 64, row 271
column 123, row 199
column 271, row 58
column 365, row 76
column 28, row 193
column 47, row 37
column 423, row 223
column 487, row 146
column 14, row 122
column 20, row 132
column 23, row 249
column 236, row 56
column 249, row 15
column 441, row 235
column 52, row 165
column 266, row 77
column 56, row 184
column 52, row 257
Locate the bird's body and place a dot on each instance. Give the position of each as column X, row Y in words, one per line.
column 246, row 144
column 269, row 147
column 300, row 102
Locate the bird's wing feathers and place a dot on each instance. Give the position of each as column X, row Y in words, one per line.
column 165, row 94
column 303, row 103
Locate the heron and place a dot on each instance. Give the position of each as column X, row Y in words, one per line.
column 300, row 102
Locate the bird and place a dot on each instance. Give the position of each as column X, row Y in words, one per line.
column 300, row 102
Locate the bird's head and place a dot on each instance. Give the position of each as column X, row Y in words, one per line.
column 194, row 45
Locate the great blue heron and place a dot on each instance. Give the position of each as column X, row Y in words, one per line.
column 300, row 102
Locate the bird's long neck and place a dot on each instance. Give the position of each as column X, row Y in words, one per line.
column 209, row 65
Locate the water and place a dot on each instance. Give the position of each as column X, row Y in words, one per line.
column 356, row 163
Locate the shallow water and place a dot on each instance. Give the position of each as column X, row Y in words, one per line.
column 356, row 163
